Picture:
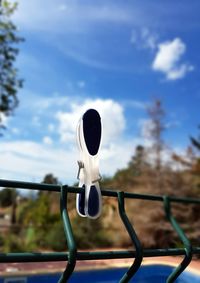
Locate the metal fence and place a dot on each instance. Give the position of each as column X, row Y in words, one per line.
column 137, row 254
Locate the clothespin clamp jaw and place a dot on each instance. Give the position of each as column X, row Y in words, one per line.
column 80, row 166
column 88, row 202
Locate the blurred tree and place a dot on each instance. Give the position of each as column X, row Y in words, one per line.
column 55, row 238
column 187, row 160
column 138, row 161
column 54, row 198
column 157, row 114
column 50, row 179
column 196, row 142
column 37, row 211
column 89, row 233
column 35, row 214
column 9, row 81
column 196, row 166
column 14, row 208
column 156, row 127
column 6, row 197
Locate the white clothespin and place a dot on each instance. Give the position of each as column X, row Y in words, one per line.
column 88, row 202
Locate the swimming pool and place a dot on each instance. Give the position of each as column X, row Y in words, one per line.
column 146, row 274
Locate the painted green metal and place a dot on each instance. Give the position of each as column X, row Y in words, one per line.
column 97, row 255
column 105, row 192
column 136, row 242
column 69, row 237
column 73, row 255
column 187, row 245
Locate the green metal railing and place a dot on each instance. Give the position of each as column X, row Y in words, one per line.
column 137, row 254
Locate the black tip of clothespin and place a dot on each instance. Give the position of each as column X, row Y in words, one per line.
column 92, row 130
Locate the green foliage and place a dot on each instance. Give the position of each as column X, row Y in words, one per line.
column 30, row 239
column 36, row 212
column 89, row 233
column 9, row 81
column 7, row 196
column 13, row 243
column 41, row 227
column 55, row 238
column 45, row 229
column 1, row 240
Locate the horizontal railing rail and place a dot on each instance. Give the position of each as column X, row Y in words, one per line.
column 73, row 255
column 105, row 192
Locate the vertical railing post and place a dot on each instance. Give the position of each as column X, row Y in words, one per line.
column 69, row 237
column 187, row 245
column 136, row 242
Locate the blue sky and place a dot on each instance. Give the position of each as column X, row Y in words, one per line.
column 115, row 56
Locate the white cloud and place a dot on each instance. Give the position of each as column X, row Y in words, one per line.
column 29, row 160
column 144, row 39
column 47, row 140
column 24, row 159
column 117, row 154
column 168, row 59
column 180, row 72
column 4, row 119
column 111, row 112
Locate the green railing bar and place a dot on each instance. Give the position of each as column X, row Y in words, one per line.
column 187, row 245
column 136, row 242
column 105, row 192
column 29, row 185
column 96, row 255
column 73, row 255
column 71, row 263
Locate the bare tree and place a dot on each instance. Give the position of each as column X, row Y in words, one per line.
column 196, row 142
column 157, row 126
column 138, row 162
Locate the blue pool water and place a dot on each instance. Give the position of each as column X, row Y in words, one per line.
column 146, row 274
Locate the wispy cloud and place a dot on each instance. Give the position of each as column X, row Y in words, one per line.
column 74, row 16
column 144, row 39
column 75, row 28
column 168, row 59
column 132, row 103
